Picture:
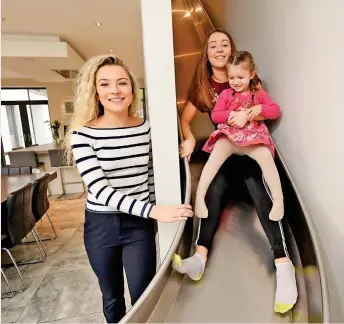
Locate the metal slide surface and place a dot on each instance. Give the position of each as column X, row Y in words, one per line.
column 238, row 285
column 239, row 282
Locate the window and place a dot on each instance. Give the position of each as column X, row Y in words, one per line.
column 23, row 116
column 23, row 94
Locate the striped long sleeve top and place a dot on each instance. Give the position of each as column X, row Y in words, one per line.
column 116, row 166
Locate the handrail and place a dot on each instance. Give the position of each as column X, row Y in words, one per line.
column 173, row 248
column 187, row 198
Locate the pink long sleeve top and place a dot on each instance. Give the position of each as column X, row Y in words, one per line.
column 230, row 100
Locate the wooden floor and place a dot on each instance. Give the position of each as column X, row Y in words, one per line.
column 62, row 289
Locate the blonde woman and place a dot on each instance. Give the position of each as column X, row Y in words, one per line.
column 111, row 149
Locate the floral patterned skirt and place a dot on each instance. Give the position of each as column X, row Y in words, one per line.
column 253, row 133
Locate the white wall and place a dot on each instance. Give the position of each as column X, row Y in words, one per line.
column 299, row 48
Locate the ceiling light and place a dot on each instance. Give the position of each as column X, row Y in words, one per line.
column 110, row 50
column 98, row 23
column 2, row 19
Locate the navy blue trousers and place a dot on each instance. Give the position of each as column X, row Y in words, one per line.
column 114, row 241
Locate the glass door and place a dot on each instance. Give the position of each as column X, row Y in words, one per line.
column 31, row 134
column 14, row 127
column 24, row 125
column 40, row 132
column 3, row 158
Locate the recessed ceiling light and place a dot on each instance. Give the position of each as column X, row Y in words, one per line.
column 2, row 19
column 98, row 23
column 110, row 50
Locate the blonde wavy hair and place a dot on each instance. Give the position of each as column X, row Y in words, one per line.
column 87, row 107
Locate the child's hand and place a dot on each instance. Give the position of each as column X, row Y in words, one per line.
column 238, row 119
column 254, row 112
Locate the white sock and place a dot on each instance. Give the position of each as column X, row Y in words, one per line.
column 286, row 291
column 193, row 266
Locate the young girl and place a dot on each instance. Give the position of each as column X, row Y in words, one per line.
column 111, row 148
column 250, row 138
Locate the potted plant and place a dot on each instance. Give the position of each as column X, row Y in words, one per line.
column 55, row 130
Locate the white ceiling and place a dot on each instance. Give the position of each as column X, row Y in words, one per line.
column 74, row 22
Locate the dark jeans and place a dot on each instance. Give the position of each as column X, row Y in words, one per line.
column 240, row 177
column 113, row 241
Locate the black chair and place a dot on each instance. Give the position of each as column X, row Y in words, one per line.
column 29, row 158
column 40, row 201
column 26, row 169
column 9, row 294
column 57, row 159
column 19, row 223
column 14, row 171
column 5, row 170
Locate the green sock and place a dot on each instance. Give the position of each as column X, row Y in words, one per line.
column 193, row 266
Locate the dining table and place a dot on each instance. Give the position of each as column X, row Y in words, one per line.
column 11, row 183
column 68, row 178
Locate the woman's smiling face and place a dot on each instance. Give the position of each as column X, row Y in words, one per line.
column 219, row 50
column 114, row 88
